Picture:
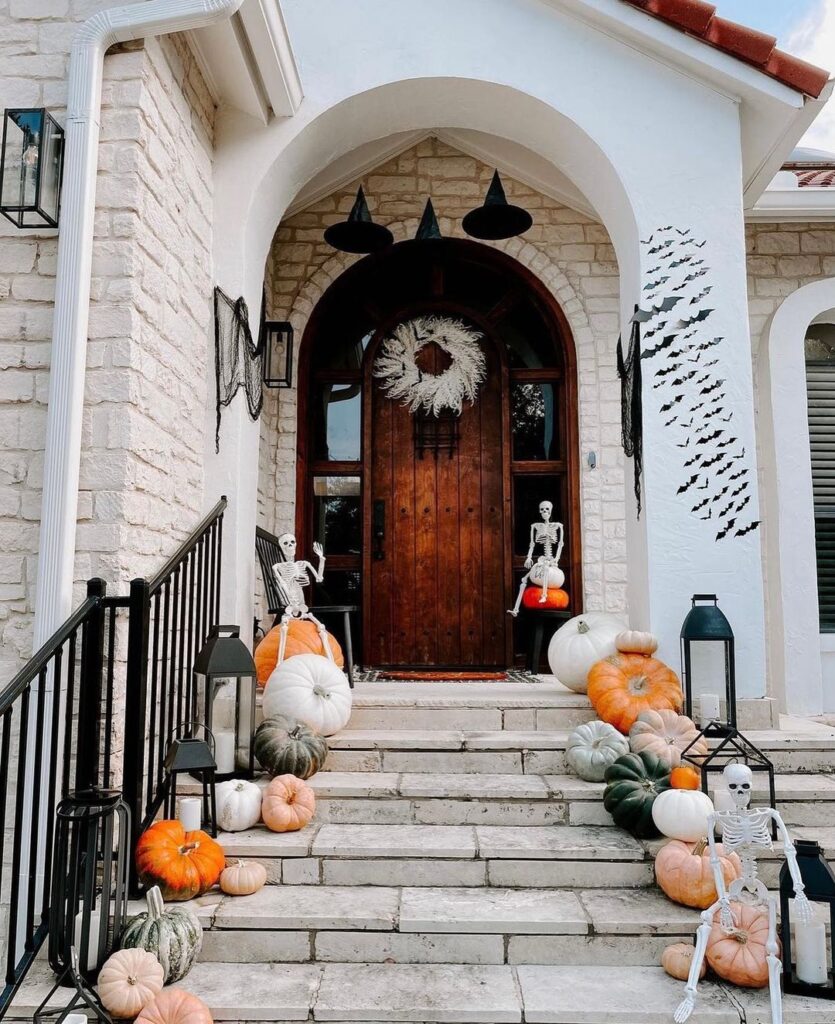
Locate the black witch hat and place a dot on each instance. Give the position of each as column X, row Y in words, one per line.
column 358, row 233
column 428, row 227
column 497, row 218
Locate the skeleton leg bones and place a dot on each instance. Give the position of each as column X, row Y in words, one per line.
column 323, row 634
column 282, row 635
column 514, row 611
column 775, row 965
column 687, row 1005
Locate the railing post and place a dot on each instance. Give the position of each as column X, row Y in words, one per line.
column 90, row 690
column 136, row 700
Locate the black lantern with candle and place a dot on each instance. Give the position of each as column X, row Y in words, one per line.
column 707, row 652
column 808, row 956
column 31, row 162
column 188, row 755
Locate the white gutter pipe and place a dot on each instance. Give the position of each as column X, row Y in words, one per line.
column 59, row 503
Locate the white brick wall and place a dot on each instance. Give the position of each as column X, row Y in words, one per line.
column 141, row 470
column 570, row 253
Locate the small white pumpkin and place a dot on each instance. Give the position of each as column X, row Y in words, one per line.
column 635, row 641
column 243, row 877
column 556, row 577
column 238, row 805
column 682, row 814
column 592, row 747
column 312, row 689
column 580, row 643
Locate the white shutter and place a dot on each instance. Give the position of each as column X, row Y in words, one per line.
column 820, row 383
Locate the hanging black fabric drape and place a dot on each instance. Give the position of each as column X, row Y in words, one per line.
column 238, row 360
column 631, row 410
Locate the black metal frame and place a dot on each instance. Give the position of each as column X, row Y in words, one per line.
column 21, row 210
column 270, row 329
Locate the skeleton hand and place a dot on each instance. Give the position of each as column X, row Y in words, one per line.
column 726, row 917
column 318, row 550
column 802, row 908
column 528, row 563
column 685, row 1008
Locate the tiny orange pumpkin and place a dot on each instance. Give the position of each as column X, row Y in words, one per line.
column 685, row 777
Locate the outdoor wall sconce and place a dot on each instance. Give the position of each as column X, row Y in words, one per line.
column 277, row 351
column 359, row 233
column 497, row 218
column 30, row 168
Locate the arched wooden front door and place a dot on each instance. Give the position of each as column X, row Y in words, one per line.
column 425, row 523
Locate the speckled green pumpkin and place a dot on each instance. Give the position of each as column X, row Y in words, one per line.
column 173, row 935
column 285, row 746
column 633, row 782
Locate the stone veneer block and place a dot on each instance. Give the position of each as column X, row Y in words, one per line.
column 348, row 811
column 622, row 912
column 256, row 991
column 582, row 874
column 354, row 784
column 408, row 948
column 431, row 841
column 623, row 995
column 468, row 762
column 600, row 950
column 300, row 871
column 492, row 910
column 489, row 812
column 252, row 947
column 405, row 739
column 354, row 761
column 515, row 740
column 444, row 993
column 260, row 842
column 404, row 872
column 561, row 842
column 312, row 906
column 463, row 787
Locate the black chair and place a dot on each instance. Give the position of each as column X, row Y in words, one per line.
column 268, row 551
column 536, row 629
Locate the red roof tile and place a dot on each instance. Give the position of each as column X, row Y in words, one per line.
column 697, row 18
column 816, row 179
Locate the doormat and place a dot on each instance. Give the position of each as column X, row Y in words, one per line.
column 436, row 676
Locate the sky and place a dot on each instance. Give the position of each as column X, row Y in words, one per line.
column 806, row 28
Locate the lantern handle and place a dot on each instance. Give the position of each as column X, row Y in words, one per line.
column 234, row 631
column 177, row 732
column 704, row 597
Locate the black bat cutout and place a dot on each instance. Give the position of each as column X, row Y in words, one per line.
column 728, row 443
column 666, row 343
column 684, row 232
column 657, row 283
column 725, row 469
column 724, row 533
column 737, row 476
column 711, row 388
column 665, row 371
column 661, row 247
column 712, row 462
column 710, row 437
column 701, row 505
column 687, row 426
column 704, row 486
column 747, row 529
column 704, row 519
column 670, row 405
column 688, row 485
column 700, row 245
column 723, row 512
column 685, row 445
column 703, row 314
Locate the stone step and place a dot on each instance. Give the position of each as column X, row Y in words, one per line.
column 462, row 799
column 455, row 994
column 530, row 751
column 377, row 924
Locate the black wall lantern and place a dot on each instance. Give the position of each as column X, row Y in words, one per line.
column 807, row 955
column 225, row 685
column 276, row 346
column 30, row 168
column 707, row 666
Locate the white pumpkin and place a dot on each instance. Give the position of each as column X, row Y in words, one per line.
column 238, row 805
column 592, row 747
column 310, row 688
column 556, row 577
column 682, row 814
column 578, row 644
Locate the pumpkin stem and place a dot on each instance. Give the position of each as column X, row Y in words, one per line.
column 583, row 626
column 188, row 847
column 156, row 904
column 699, row 848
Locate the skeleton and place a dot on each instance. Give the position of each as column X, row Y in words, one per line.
column 545, row 571
column 291, row 577
column 745, row 832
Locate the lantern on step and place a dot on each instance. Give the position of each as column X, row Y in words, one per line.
column 808, row 964
column 30, row 168
column 193, row 757
column 708, row 667
column 225, row 680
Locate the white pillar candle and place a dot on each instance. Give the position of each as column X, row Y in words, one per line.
column 93, row 940
column 225, row 752
column 709, row 710
column 810, row 959
column 723, row 801
column 76, row 1018
column 191, row 813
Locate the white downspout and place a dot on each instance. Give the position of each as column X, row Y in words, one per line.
column 59, row 503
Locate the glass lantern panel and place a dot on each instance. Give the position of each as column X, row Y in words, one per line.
column 20, row 158
column 51, row 156
column 337, row 514
column 707, row 677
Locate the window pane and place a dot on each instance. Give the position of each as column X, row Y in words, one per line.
column 528, row 492
column 534, row 420
column 337, row 514
column 337, row 422
column 527, row 338
column 340, row 587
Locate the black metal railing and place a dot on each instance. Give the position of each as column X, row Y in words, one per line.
column 57, row 728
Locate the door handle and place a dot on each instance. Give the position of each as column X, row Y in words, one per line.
column 378, row 529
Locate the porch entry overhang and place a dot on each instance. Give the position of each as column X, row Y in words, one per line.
column 426, row 521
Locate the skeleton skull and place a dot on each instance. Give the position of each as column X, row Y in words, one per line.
column 738, row 779
column 287, row 543
column 545, row 510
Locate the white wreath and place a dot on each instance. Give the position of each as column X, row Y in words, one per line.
column 396, row 364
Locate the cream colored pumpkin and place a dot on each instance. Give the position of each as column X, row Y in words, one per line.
column 312, row 689
column 682, row 814
column 634, row 641
column 580, row 643
column 243, row 877
column 666, row 734
column 129, row 981
column 238, row 805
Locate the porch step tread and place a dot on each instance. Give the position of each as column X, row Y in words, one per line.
column 457, row 994
column 538, row 693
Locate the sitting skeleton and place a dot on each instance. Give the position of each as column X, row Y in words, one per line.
column 745, row 832
column 545, row 572
column 291, row 577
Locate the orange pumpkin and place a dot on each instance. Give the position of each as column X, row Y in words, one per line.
column 685, row 777
column 684, row 873
column 183, row 864
column 556, row 599
column 677, row 960
column 288, row 804
column 741, row 957
column 624, row 685
column 302, row 638
column 175, row 1006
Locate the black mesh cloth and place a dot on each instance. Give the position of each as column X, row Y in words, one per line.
column 631, row 410
column 238, row 360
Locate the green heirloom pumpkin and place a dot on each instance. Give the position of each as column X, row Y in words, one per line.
column 632, row 784
column 174, row 936
column 285, row 746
